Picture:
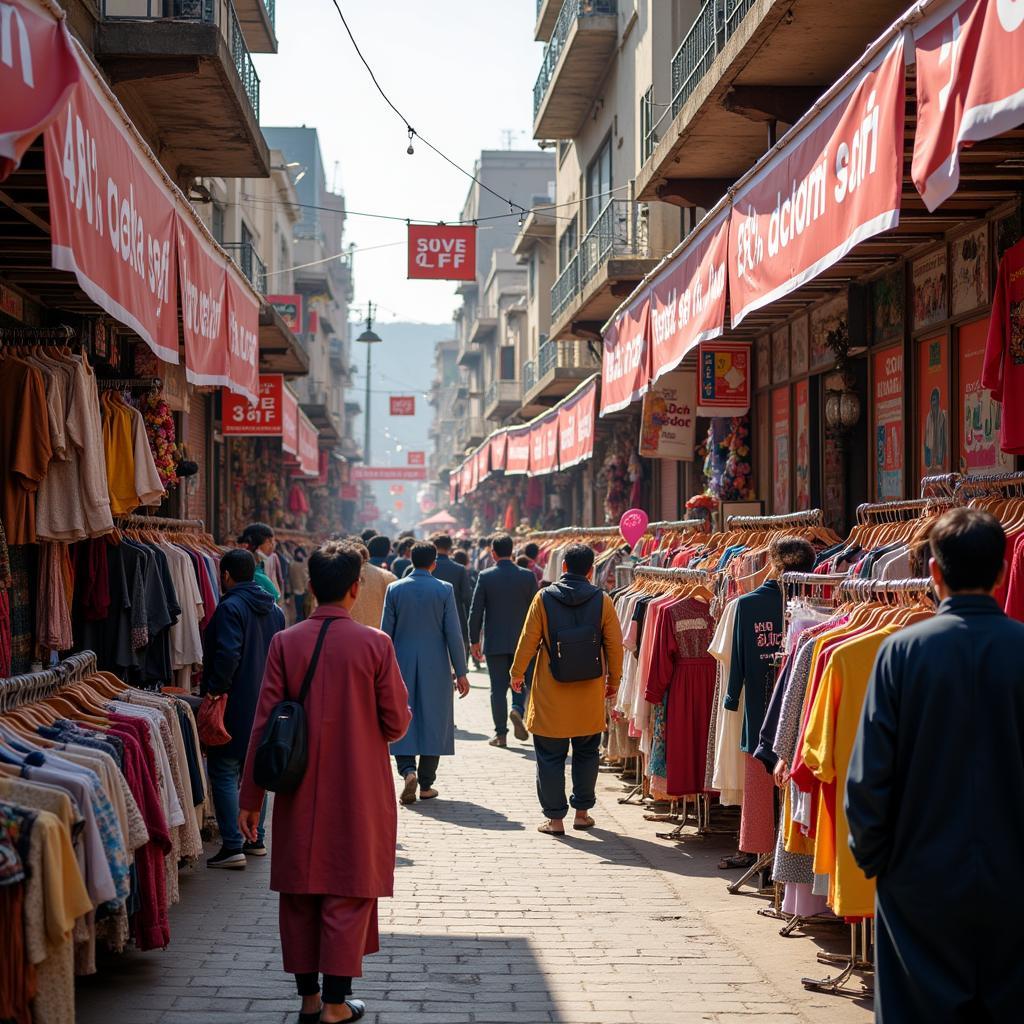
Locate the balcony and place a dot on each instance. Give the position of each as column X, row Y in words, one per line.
column 247, row 260
column 529, row 376
column 575, row 62
column 183, row 71
column 561, row 366
column 501, row 399
column 482, row 329
column 547, row 15
column 744, row 72
column 611, row 259
column 256, row 18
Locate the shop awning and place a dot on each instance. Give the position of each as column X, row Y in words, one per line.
column 320, row 416
column 499, row 449
column 544, row 444
column 576, row 417
column 309, row 446
column 483, row 462
column 517, row 454
column 280, row 350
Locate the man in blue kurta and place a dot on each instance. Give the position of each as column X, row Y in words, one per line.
column 422, row 620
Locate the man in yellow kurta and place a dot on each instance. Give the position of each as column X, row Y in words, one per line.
column 560, row 712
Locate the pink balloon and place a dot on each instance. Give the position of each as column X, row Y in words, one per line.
column 633, row 525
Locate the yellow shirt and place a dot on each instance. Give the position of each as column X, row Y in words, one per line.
column 120, row 455
column 559, row 710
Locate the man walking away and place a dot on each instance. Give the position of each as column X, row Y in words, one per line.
column 235, row 647
column 369, row 604
column 421, row 619
column 561, row 713
column 501, row 602
column 934, row 794
column 451, row 572
column 338, row 829
column 531, row 551
column 403, row 562
column 380, row 551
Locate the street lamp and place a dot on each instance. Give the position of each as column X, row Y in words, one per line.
column 369, row 338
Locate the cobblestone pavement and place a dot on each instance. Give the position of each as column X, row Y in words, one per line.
column 494, row 923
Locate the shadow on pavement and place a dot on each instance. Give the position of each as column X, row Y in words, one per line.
column 462, row 734
column 466, row 814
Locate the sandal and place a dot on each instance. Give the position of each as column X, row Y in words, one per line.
column 549, row 831
column 737, row 860
column 582, row 824
column 409, row 789
column 428, row 794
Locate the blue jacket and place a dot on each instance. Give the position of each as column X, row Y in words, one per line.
column 235, row 648
column 501, row 601
column 422, row 621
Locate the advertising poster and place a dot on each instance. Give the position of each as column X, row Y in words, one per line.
column 781, row 456
column 800, row 347
column 933, row 437
column 780, row 355
column 724, row 379
column 668, row 424
column 888, row 393
column 931, row 289
column 980, row 415
column 802, row 462
column 827, row 318
column 887, row 307
column 969, row 270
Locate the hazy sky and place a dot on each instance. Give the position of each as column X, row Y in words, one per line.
column 462, row 71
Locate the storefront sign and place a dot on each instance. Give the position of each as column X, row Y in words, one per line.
column 176, row 391
column 724, row 368
column 112, row 216
column 309, row 448
column 289, row 421
column 517, row 459
column 442, row 252
column 467, row 484
column 970, row 86
column 669, row 422
column 361, row 473
column 264, row 419
column 980, row 413
column 38, row 70
column 781, row 457
column 688, row 299
column 625, row 362
column 802, row 461
column 11, row 303
column 499, row 448
column 483, row 461
column 290, row 308
column 544, row 445
column 202, row 278
column 887, row 412
column 243, row 336
column 576, row 417
column 416, row 458
column 403, row 405
column 835, row 184
column 933, row 438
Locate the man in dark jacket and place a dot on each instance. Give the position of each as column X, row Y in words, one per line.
column 935, row 794
column 450, row 571
column 501, row 601
column 234, row 657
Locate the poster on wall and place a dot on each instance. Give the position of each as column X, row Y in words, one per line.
column 780, row 355
column 780, row 450
column 799, row 347
column 969, row 270
column 888, row 305
column 763, row 355
column 724, row 386
column 825, row 319
column 931, row 287
column 802, row 462
column 290, row 308
column 980, row 414
column 887, row 407
column 668, row 422
column 933, row 405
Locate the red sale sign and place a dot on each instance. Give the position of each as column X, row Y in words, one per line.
column 403, row 405
column 625, row 362
column 417, row 458
column 309, row 447
column 544, row 445
column 517, row 454
column 265, row 418
column 38, row 70
column 576, row 425
column 836, row 183
column 243, row 339
column 442, row 252
column 499, row 446
column 361, row 473
column 203, row 283
column 289, row 421
column 970, row 86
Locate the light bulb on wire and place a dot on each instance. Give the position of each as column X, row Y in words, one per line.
column 410, row 150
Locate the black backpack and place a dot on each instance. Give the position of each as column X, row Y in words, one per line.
column 575, row 649
column 280, row 760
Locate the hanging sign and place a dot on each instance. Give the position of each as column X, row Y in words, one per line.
column 202, row 278
column 417, row 458
column 361, row 473
column 576, row 417
column 517, row 458
column 625, row 359
column 835, row 184
column 396, row 489
column 688, row 299
column 499, row 446
column 453, row 487
column 445, row 252
column 38, row 70
column 668, row 424
column 724, row 383
column 544, row 445
column 290, row 308
column 265, row 418
column 243, row 336
column 887, row 419
column 483, row 461
column 403, row 405
column 309, row 448
column 289, row 421
column 970, row 86
column 467, row 485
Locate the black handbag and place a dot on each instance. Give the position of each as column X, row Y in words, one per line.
column 280, row 760
column 575, row 651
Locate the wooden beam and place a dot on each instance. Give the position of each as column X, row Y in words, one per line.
column 703, row 192
column 131, row 69
column 771, row 102
column 25, row 212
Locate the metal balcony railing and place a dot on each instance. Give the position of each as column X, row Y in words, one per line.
column 500, row 391
column 566, row 287
column 613, row 233
column 571, row 12
column 248, row 261
column 564, row 355
column 714, row 26
column 271, row 12
column 529, row 376
column 209, row 12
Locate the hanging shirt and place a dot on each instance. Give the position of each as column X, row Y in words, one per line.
column 1003, row 372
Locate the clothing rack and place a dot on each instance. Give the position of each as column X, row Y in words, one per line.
column 21, row 335
column 656, row 572
column 1003, row 485
column 941, row 485
column 160, row 522
column 809, row 584
column 892, row 511
column 119, row 384
column 812, row 517
column 29, row 687
column 864, row 591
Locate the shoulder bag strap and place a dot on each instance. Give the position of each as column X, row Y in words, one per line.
column 311, row 671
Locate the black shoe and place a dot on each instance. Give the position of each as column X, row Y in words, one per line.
column 358, row 1008
column 518, row 725
column 231, row 859
column 255, row 850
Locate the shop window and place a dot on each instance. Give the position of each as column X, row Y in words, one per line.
column 217, row 222
column 599, row 181
column 508, row 362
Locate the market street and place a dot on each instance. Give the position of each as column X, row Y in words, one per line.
column 493, row 923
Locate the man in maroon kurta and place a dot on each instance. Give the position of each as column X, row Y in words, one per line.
column 336, row 834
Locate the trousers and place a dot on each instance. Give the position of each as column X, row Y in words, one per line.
column 225, row 778
column 499, row 668
column 327, row 934
column 551, row 757
column 426, row 771
column 336, row 987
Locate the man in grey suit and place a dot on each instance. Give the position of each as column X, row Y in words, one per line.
column 422, row 621
column 450, row 571
column 500, row 604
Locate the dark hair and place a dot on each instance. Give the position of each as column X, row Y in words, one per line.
column 379, row 547
column 483, row 542
column 364, row 553
column 239, row 564
column 423, row 555
column 531, row 550
column 461, row 557
column 405, row 544
column 299, row 553
column 254, row 535
column 442, row 541
column 333, row 569
column 523, row 561
column 368, row 535
column 791, row 554
column 579, row 559
column 502, row 545
column 970, row 548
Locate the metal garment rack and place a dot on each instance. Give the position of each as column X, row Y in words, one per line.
column 160, row 522
column 941, row 485
column 1004, row 485
column 901, row 511
column 29, row 687
column 28, row 335
column 866, row 591
column 654, row 572
column 812, row 517
column 129, row 383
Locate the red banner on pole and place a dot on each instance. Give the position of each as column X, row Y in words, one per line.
column 499, row 446
column 483, row 462
column 403, row 405
column 243, row 337
column 576, row 426
column 360, row 473
column 442, row 252
column 625, row 362
column 835, row 184
column 289, row 421
column 970, row 86
column 309, row 447
column 202, row 279
column 38, row 70
column 544, row 445
column 517, row 457
column 263, row 419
